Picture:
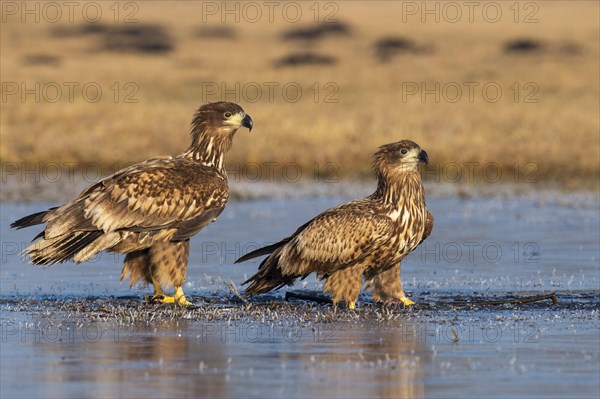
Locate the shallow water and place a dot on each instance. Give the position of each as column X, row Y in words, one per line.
column 78, row 332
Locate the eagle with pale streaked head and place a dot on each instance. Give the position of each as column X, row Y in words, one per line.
column 367, row 237
column 148, row 211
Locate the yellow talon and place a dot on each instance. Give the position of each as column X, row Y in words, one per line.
column 351, row 305
column 182, row 301
column 407, row 302
column 163, row 299
column 180, row 297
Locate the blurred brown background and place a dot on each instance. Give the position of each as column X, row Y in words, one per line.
column 515, row 84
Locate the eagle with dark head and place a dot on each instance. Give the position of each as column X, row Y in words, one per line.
column 148, row 211
column 366, row 237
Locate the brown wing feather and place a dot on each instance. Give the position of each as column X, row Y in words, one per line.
column 153, row 195
column 158, row 197
column 428, row 226
column 335, row 239
column 189, row 228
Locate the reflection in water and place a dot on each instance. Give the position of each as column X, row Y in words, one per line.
column 182, row 359
column 143, row 361
column 370, row 363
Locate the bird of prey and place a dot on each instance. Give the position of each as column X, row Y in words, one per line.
column 366, row 237
column 148, row 211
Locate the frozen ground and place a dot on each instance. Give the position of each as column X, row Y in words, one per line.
column 76, row 332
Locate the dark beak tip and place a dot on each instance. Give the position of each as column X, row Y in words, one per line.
column 247, row 122
column 423, row 157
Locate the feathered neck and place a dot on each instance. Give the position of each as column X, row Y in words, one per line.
column 209, row 145
column 396, row 186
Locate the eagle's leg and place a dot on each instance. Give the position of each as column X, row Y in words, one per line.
column 345, row 285
column 180, row 297
column 158, row 291
column 386, row 287
column 160, row 296
column 168, row 263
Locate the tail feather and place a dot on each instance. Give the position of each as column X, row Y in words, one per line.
column 62, row 248
column 31, row 220
column 269, row 276
column 42, row 234
column 100, row 244
column 67, row 249
column 262, row 251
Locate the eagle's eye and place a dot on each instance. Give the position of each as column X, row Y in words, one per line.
column 403, row 151
column 227, row 114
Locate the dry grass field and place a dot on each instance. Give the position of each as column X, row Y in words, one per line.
column 380, row 74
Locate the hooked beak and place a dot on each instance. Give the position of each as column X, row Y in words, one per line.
column 423, row 157
column 247, row 122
